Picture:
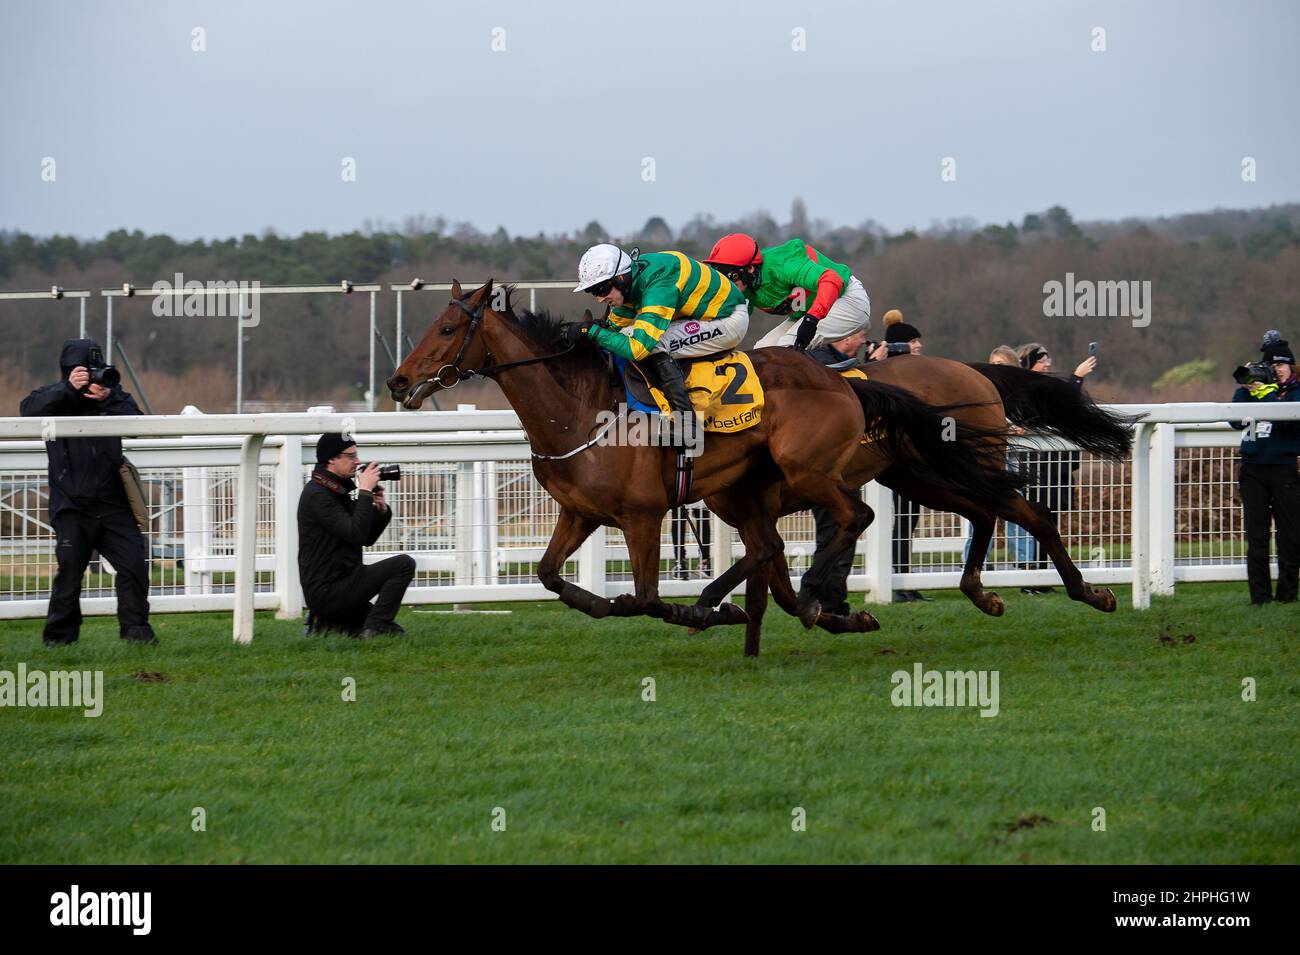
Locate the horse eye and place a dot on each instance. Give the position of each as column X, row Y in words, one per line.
column 448, row 330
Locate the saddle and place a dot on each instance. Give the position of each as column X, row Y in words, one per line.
column 723, row 388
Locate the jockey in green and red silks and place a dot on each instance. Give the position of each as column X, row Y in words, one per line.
column 825, row 302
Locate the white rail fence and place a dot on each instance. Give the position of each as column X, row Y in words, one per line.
column 224, row 491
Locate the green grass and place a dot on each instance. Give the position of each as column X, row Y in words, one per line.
column 540, row 712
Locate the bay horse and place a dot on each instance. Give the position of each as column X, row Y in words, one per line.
column 1037, row 402
column 811, row 428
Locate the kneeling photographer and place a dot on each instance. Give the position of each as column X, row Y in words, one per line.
column 1270, row 486
column 333, row 529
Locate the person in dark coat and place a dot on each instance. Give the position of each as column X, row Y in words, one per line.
column 1051, row 473
column 89, row 510
column 834, row 591
column 907, row 513
column 333, row 530
column 1269, row 482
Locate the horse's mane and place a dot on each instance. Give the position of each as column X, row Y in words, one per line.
column 582, row 371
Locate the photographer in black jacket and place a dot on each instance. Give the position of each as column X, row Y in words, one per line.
column 1270, row 486
column 332, row 531
column 89, row 510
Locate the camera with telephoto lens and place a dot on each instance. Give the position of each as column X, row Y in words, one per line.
column 891, row 348
column 101, row 373
column 388, row 472
column 1255, row 372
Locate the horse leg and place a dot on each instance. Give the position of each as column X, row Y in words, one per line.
column 850, row 513
column 742, row 510
column 981, row 518
column 571, row 529
column 756, row 605
column 1037, row 519
column 982, row 523
column 642, row 535
column 785, row 597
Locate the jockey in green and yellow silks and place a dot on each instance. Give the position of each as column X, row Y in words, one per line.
column 824, row 301
column 663, row 305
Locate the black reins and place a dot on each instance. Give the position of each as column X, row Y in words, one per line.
column 461, row 374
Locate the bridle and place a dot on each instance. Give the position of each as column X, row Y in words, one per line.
column 475, row 321
column 461, row 374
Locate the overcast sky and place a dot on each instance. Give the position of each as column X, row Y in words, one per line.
column 554, row 130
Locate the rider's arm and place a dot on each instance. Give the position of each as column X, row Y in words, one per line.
column 658, row 306
column 621, row 315
column 811, row 274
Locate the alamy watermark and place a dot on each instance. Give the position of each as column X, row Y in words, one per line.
column 626, row 427
column 76, row 907
column 1085, row 298
column 195, row 299
column 82, row 689
column 922, row 687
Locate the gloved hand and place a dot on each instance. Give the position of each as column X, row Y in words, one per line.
column 804, row 336
column 574, row 332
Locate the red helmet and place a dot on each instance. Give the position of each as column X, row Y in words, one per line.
column 737, row 250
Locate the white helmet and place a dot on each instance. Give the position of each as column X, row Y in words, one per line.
column 599, row 263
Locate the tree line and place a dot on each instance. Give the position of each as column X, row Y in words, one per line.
column 1218, row 281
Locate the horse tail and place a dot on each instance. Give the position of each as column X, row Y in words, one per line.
column 936, row 447
column 1043, row 404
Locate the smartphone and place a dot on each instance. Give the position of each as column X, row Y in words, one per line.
column 1092, row 348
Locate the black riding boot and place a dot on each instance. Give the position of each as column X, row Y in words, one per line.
column 666, row 375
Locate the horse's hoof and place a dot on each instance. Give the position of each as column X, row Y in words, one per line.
column 1103, row 600
column 692, row 631
column 867, row 621
column 809, row 613
column 727, row 615
column 993, row 605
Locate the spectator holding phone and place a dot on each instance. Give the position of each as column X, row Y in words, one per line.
column 1051, row 480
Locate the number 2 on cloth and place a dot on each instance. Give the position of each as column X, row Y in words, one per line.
column 732, row 396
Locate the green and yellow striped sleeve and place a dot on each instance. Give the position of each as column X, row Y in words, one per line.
column 649, row 326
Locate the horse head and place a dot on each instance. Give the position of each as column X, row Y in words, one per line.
column 452, row 349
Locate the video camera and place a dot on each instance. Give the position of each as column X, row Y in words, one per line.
column 1255, row 372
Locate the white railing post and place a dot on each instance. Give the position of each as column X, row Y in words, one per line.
column 880, row 544
column 591, row 562
column 246, row 500
column 1164, row 505
column 196, row 511
column 722, row 556
column 491, row 532
column 480, row 554
column 465, row 514
column 1140, row 548
column 288, row 488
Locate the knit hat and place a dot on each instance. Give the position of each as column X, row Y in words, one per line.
column 1031, row 354
column 1276, row 348
column 330, row 446
column 897, row 330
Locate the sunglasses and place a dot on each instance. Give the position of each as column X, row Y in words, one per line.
column 601, row 288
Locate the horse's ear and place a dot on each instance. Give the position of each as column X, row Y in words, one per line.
column 485, row 291
column 455, row 288
column 586, row 315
